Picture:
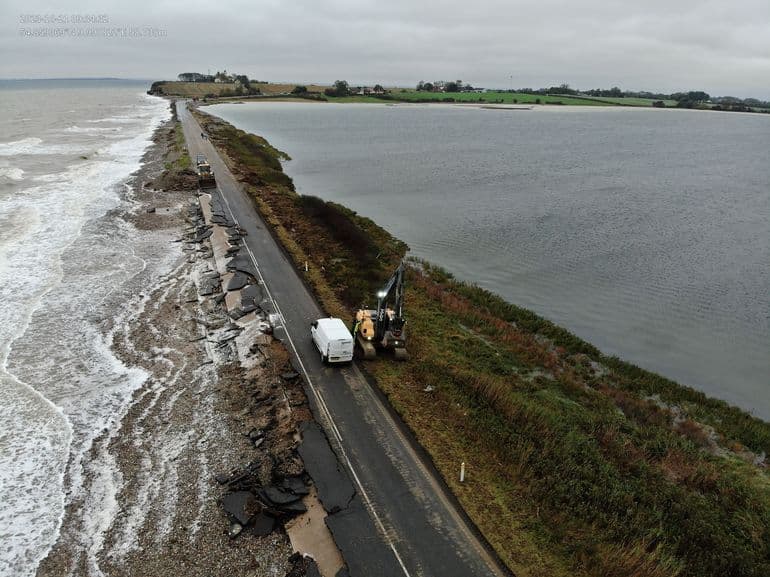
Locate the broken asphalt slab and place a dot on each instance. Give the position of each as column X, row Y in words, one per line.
column 278, row 497
column 238, row 281
column 262, row 524
column 203, row 235
column 242, row 263
column 251, row 296
column 335, row 490
column 241, row 506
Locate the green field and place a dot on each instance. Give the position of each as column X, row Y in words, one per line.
column 401, row 95
column 493, row 97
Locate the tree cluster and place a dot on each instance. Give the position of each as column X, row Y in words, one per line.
column 443, row 86
column 340, row 88
column 690, row 99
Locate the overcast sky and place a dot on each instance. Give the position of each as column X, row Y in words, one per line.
column 720, row 46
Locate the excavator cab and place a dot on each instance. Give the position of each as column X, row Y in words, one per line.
column 364, row 324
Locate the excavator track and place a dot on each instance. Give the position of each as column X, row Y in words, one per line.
column 366, row 348
column 400, row 354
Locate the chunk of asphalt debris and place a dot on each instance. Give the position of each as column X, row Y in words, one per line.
column 258, row 443
column 278, row 497
column 203, row 235
column 295, row 485
column 236, row 313
column 237, row 282
column 303, row 566
column 251, row 294
column 290, row 376
column 262, row 524
column 208, row 286
column 311, row 569
column 335, row 490
column 151, row 210
column 222, row 479
column 249, row 309
column 296, row 508
column 241, row 506
column 255, row 434
column 242, row 263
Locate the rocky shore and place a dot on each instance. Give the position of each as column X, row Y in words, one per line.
column 203, row 473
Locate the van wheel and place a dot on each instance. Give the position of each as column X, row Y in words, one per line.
column 323, row 359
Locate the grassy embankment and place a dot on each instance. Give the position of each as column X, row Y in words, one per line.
column 177, row 168
column 579, row 464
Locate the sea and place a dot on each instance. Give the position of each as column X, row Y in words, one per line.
column 73, row 270
column 643, row 231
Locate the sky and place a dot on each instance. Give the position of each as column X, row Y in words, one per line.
column 721, row 47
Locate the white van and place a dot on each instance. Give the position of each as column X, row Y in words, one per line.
column 333, row 340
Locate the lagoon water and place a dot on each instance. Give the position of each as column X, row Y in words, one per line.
column 646, row 232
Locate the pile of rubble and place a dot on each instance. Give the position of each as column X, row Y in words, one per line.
column 274, row 488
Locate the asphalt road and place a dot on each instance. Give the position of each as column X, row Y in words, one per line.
column 401, row 522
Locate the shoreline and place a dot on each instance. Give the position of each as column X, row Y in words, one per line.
column 688, row 422
column 153, row 488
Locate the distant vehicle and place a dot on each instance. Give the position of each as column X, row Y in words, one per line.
column 205, row 174
column 333, row 340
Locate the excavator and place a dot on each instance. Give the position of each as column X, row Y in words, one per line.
column 384, row 328
column 205, row 174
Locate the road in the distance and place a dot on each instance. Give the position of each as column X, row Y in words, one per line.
column 402, row 523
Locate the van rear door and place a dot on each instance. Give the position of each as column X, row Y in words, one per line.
column 340, row 350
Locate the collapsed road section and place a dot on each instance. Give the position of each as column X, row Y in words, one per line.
column 296, row 479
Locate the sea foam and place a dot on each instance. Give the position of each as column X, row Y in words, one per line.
column 60, row 384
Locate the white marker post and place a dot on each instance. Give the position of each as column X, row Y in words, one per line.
column 462, row 472
column 305, row 266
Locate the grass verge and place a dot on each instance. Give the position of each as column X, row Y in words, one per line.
column 578, row 463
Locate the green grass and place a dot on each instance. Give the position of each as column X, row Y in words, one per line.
column 183, row 162
column 621, row 485
column 579, row 464
column 501, row 98
column 471, row 97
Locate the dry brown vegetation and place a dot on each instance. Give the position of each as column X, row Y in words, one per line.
column 203, row 89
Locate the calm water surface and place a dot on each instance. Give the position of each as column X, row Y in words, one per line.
column 646, row 232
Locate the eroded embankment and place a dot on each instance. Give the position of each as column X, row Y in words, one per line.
column 578, row 464
column 202, row 474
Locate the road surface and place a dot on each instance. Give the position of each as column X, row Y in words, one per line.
column 401, row 522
